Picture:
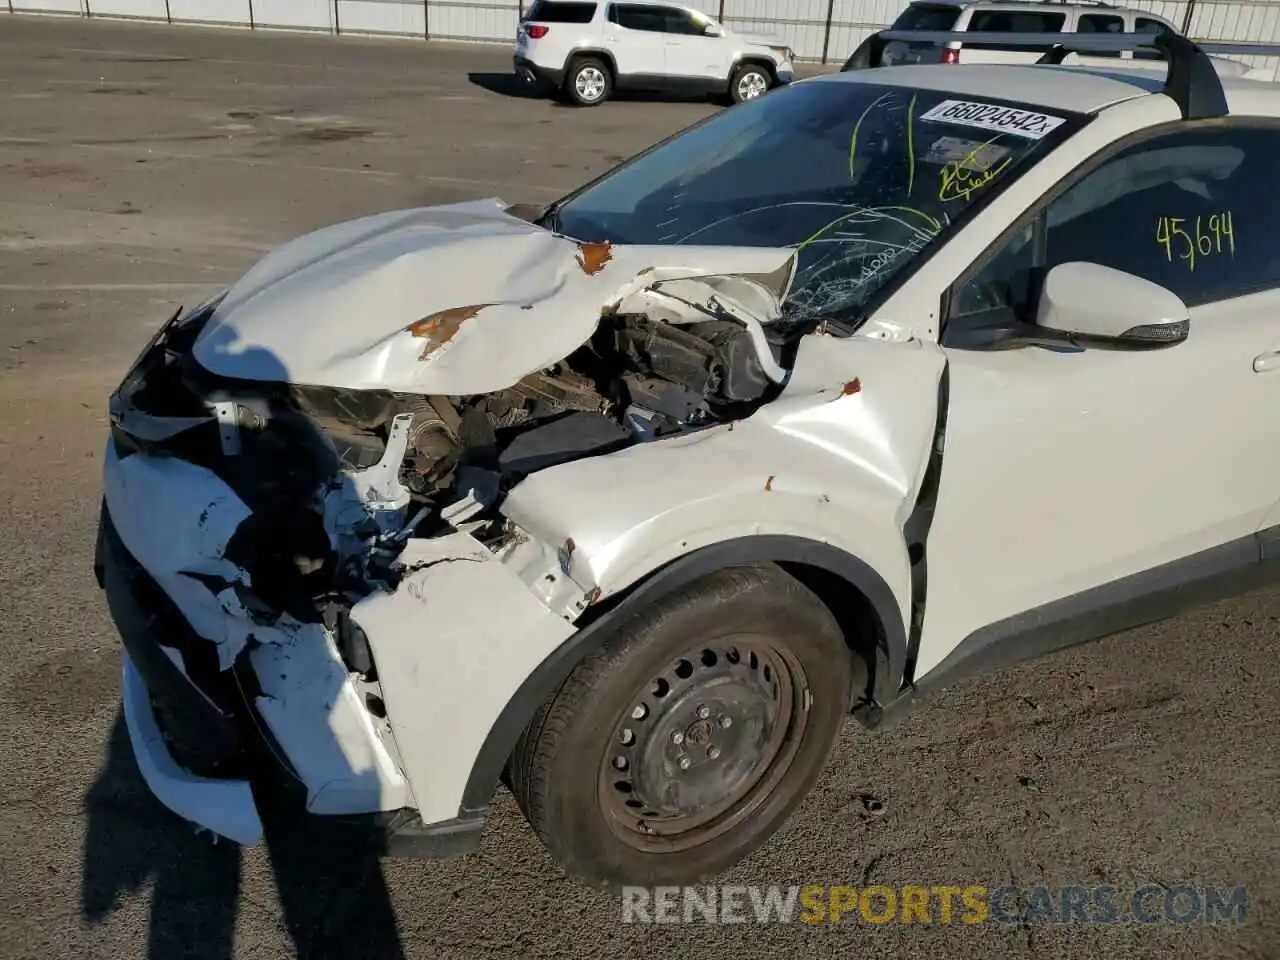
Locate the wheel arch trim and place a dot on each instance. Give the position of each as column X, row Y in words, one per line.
column 589, row 51
column 754, row 60
column 498, row 745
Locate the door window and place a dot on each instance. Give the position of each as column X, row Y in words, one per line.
column 1015, row 21
column 1191, row 211
column 1091, row 23
column 684, row 22
column 927, row 17
column 636, row 16
column 560, row 11
column 1147, row 25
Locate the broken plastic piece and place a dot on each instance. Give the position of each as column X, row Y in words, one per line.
column 225, row 807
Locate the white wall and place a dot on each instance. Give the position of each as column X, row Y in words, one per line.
column 803, row 22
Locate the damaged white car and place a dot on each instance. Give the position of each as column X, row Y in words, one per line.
column 632, row 502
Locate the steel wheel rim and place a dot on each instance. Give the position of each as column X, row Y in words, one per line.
column 751, row 85
column 673, row 773
column 589, row 83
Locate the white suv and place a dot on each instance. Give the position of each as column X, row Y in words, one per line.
column 586, row 50
column 1013, row 16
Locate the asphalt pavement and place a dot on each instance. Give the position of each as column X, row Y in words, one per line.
column 143, row 167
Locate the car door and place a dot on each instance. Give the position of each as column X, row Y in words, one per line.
column 635, row 34
column 690, row 51
column 1064, row 473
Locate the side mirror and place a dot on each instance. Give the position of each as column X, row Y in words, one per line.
column 1088, row 302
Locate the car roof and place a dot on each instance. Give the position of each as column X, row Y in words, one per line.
column 1078, row 4
column 1071, row 88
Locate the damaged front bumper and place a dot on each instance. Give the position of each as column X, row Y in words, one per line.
column 391, row 748
column 303, row 542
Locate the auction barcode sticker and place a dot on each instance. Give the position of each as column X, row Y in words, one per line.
column 990, row 116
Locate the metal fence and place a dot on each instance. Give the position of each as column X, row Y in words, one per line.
column 822, row 31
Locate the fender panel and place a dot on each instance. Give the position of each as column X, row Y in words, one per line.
column 827, row 474
column 756, row 59
column 588, row 51
column 551, row 672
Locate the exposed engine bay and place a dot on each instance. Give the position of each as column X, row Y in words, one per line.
column 339, row 481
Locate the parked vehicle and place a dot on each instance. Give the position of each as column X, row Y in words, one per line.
column 809, row 411
column 584, row 51
column 1010, row 17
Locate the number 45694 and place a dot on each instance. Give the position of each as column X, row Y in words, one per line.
column 1203, row 237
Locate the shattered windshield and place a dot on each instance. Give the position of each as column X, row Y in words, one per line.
column 858, row 177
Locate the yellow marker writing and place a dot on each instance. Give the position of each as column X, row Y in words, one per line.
column 960, row 178
column 1193, row 240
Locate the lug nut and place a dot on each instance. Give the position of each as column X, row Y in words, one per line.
column 677, row 738
column 713, row 753
column 685, row 763
column 704, row 712
column 726, row 722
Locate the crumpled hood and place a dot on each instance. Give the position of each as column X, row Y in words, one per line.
column 450, row 300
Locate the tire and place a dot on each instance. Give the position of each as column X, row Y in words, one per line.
column 740, row 645
column 588, row 82
column 748, row 82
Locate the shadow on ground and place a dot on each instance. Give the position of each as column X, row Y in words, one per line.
column 329, row 883
column 510, row 85
column 327, row 870
column 506, row 84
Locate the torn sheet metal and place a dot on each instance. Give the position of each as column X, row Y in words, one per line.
column 453, row 644
column 176, row 518
column 451, row 300
column 837, row 458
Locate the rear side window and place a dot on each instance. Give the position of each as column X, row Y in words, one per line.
column 1015, row 21
column 561, row 11
column 927, row 16
column 1094, row 23
column 636, row 16
column 1147, row 25
column 683, row 22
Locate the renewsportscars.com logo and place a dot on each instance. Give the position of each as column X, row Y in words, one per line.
column 1149, row 903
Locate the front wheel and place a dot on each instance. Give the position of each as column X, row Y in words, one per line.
column 687, row 740
column 588, row 82
column 748, row 82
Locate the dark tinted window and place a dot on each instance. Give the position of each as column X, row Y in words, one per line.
column 683, row 22
column 1091, row 23
column 858, row 178
column 560, row 11
column 1147, row 25
column 1189, row 211
column 927, row 16
column 1015, row 21
column 635, row 16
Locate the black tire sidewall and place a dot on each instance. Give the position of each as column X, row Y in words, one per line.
column 576, row 829
column 571, row 76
